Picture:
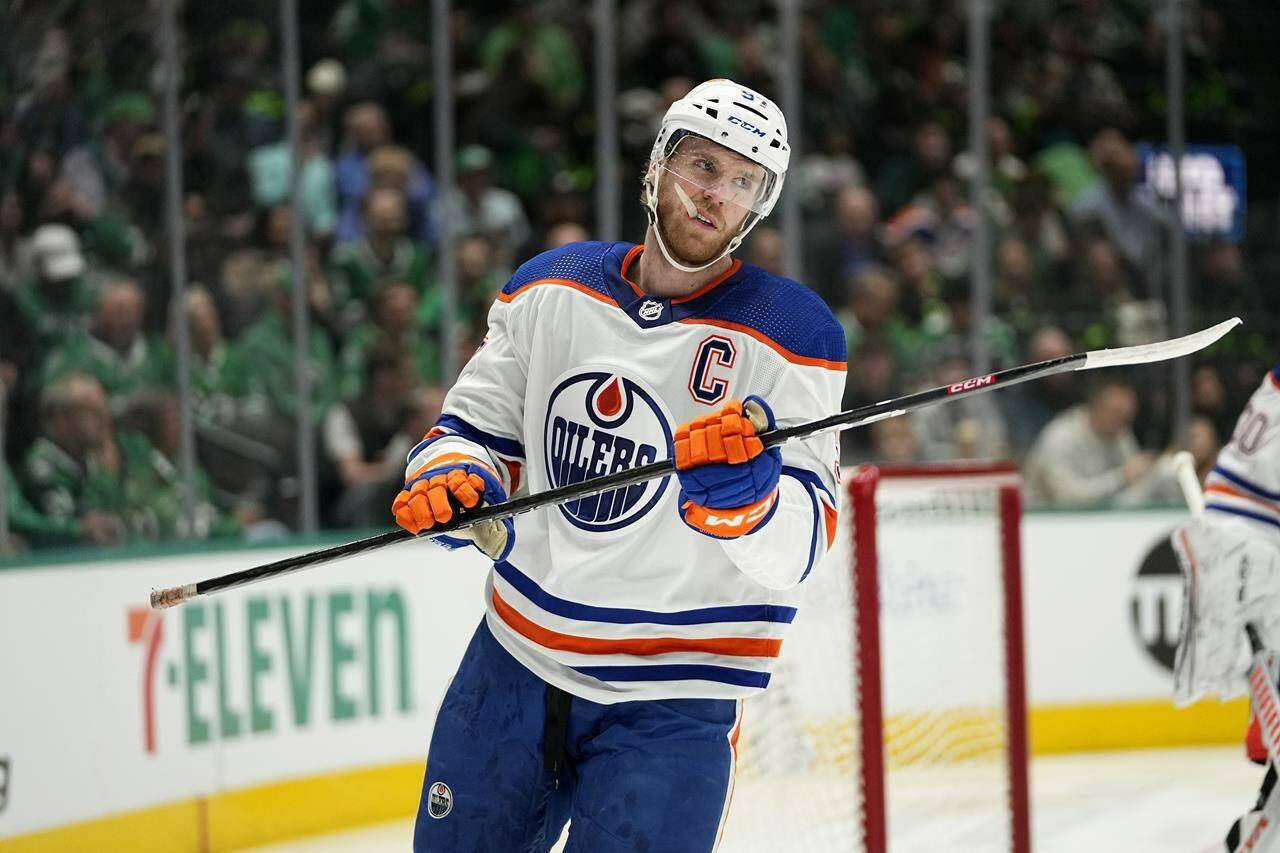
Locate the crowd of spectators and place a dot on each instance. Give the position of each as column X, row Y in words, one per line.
column 87, row 354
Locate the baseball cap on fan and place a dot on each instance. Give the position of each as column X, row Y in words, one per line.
column 57, row 251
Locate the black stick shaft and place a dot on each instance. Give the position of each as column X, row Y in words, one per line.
column 842, row 420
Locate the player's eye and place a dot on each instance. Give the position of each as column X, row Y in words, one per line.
column 704, row 165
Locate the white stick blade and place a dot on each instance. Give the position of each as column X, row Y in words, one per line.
column 1159, row 351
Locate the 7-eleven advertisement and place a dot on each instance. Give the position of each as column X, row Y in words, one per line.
column 109, row 706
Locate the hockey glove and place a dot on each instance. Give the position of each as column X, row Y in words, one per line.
column 437, row 494
column 728, row 481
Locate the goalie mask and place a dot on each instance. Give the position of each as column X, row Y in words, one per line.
column 722, row 152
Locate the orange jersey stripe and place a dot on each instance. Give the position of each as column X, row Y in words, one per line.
column 563, row 282
column 790, row 356
column 513, row 472
column 452, row 459
column 631, row 255
column 1223, row 489
column 724, row 276
column 733, row 646
column 831, row 516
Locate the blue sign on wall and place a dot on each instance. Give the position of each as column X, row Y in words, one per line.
column 1213, row 186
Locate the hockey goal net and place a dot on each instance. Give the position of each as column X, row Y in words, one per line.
column 900, row 727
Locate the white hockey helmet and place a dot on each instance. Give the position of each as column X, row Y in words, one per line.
column 740, row 119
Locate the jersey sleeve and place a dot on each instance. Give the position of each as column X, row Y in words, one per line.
column 782, row 552
column 1244, row 485
column 483, row 413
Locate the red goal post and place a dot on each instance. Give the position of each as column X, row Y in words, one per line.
column 864, row 487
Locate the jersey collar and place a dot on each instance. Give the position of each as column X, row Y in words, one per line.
column 647, row 311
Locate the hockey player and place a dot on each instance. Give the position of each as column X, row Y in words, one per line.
column 604, row 686
column 1231, row 557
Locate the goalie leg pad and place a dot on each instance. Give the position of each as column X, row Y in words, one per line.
column 1229, row 579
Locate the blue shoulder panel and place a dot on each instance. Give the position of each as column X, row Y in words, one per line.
column 580, row 262
column 782, row 310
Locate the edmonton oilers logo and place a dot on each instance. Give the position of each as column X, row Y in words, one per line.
column 600, row 423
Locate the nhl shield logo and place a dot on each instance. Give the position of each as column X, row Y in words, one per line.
column 600, row 422
column 439, row 800
column 650, row 310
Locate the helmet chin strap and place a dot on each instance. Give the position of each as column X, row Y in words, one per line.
column 651, row 205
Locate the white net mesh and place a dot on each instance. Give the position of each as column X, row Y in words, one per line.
column 946, row 778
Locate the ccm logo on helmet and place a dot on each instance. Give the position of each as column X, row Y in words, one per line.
column 746, row 125
column 970, row 384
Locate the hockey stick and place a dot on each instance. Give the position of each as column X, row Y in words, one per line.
column 1125, row 356
column 1184, row 466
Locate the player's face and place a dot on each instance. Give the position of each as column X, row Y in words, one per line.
column 720, row 186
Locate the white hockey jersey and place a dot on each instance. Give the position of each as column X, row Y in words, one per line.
column 613, row 597
column 1244, row 486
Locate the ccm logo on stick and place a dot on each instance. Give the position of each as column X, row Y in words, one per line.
column 970, row 384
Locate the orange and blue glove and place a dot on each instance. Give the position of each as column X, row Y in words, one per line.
column 728, row 480
column 436, row 495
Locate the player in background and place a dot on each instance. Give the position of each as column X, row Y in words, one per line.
column 1231, row 557
column 622, row 631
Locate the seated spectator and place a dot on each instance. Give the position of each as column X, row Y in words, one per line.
column 72, row 471
column 1088, row 456
column 875, row 374
column 1016, row 295
column 267, row 345
column 392, row 167
column 394, row 321
column 764, row 249
column 15, row 251
column 1225, row 287
column 157, row 479
column 922, row 284
column 951, row 330
column 942, row 219
column 367, row 128
column 220, row 377
column 99, row 167
column 481, row 277
column 356, row 435
column 1106, row 293
column 564, row 233
column 1119, row 210
column 835, row 253
column 479, row 209
column 1007, row 168
column 826, row 172
column 904, row 175
column 1029, row 407
column 1203, row 441
column 419, row 412
column 894, row 442
column 384, row 253
column 326, row 84
column 115, row 351
column 1040, row 223
column 270, row 168
column 871, row 316
column 1209, row 399
column 56, row 304
column 970, row 427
